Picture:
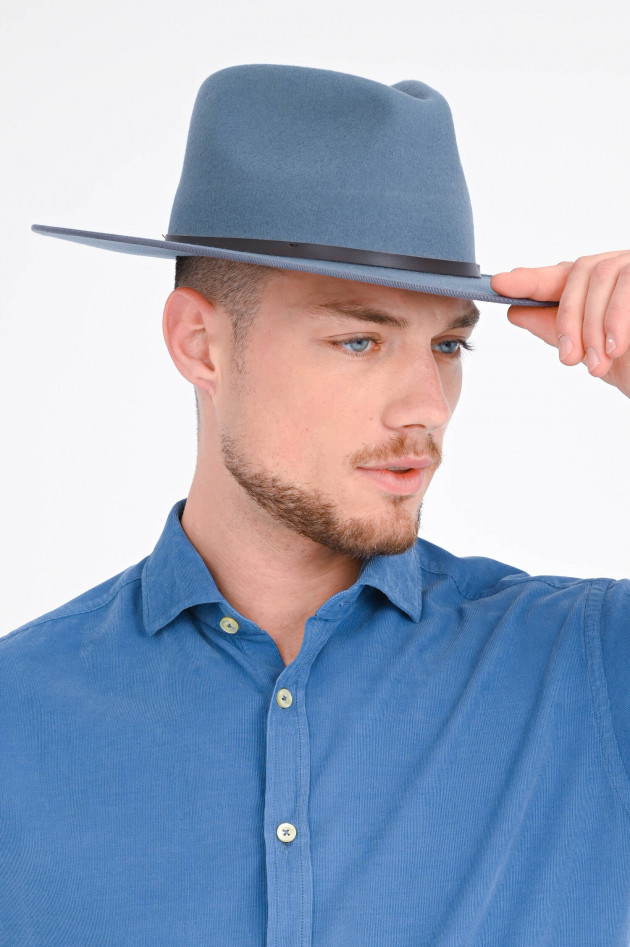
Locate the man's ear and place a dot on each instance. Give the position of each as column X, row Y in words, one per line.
column 191, row 326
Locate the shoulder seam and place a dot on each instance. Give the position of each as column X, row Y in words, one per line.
column 44, row 620
column 533, row 578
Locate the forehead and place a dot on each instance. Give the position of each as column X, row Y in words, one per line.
column 322, row 298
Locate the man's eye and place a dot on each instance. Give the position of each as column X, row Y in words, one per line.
column 462, row 345
column 360, row 339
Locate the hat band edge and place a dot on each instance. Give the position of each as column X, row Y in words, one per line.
column 317, row 251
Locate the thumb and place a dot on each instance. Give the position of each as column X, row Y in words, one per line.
column 541, row 282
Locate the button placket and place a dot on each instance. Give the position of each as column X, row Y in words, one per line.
column 289, row 872
column 287, row 771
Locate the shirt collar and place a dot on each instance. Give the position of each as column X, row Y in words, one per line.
column 175, row 577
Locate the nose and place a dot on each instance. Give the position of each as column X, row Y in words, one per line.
column 423, row 393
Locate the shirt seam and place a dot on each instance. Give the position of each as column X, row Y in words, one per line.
column 73, row 614
column 616, row 772
column 476, row 598
column 600, row 701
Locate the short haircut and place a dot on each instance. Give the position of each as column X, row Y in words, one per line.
column 237, row 287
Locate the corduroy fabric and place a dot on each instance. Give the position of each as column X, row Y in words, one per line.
column 455, row 761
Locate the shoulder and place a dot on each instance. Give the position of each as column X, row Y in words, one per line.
column 478, row 577
column 68, row 626
column 536, row 612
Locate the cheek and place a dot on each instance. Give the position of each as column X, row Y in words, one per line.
column 453, row 387
column 295, row 386
column 316, row 422
column 282, row 411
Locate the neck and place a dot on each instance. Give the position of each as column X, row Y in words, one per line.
column 268, row 573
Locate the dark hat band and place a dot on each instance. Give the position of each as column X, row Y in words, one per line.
column 316, row 251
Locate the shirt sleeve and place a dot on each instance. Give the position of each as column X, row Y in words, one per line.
column 614, row 634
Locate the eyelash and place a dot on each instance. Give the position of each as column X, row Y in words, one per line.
column 463, row 346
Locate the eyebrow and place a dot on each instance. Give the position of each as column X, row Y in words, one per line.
column 468, row 319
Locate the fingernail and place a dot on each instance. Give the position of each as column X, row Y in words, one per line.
column 565, row 346
column 592, row 359
column 610, row 345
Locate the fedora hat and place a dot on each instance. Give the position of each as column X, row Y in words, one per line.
column 323, row 172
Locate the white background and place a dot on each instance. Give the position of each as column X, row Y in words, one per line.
column 98, row 428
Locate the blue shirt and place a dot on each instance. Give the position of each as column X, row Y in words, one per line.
column 445, row 763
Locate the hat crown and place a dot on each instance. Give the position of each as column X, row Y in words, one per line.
column 295, row 154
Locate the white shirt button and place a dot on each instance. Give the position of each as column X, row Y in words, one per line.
column 284, row 698
column 229, row 625
column 286, row 832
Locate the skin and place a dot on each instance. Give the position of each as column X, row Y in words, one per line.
column 277, row 509
column 593, row 311
column 280, row 442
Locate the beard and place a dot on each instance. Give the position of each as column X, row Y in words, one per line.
column 309, row 512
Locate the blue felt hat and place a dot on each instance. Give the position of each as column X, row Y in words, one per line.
column 324, row 172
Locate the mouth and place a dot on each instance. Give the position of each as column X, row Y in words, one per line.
column 401, row 482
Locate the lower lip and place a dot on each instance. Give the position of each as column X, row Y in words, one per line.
column 402, row 483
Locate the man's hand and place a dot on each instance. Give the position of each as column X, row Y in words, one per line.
column 594, row 309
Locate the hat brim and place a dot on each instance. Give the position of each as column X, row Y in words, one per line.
column 460, row 287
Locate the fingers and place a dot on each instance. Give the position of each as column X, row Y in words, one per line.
column 591, row 323
column 593, row 307
column 543, row 282
column 540, row 322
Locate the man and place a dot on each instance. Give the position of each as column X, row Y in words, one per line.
column 295, row 722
